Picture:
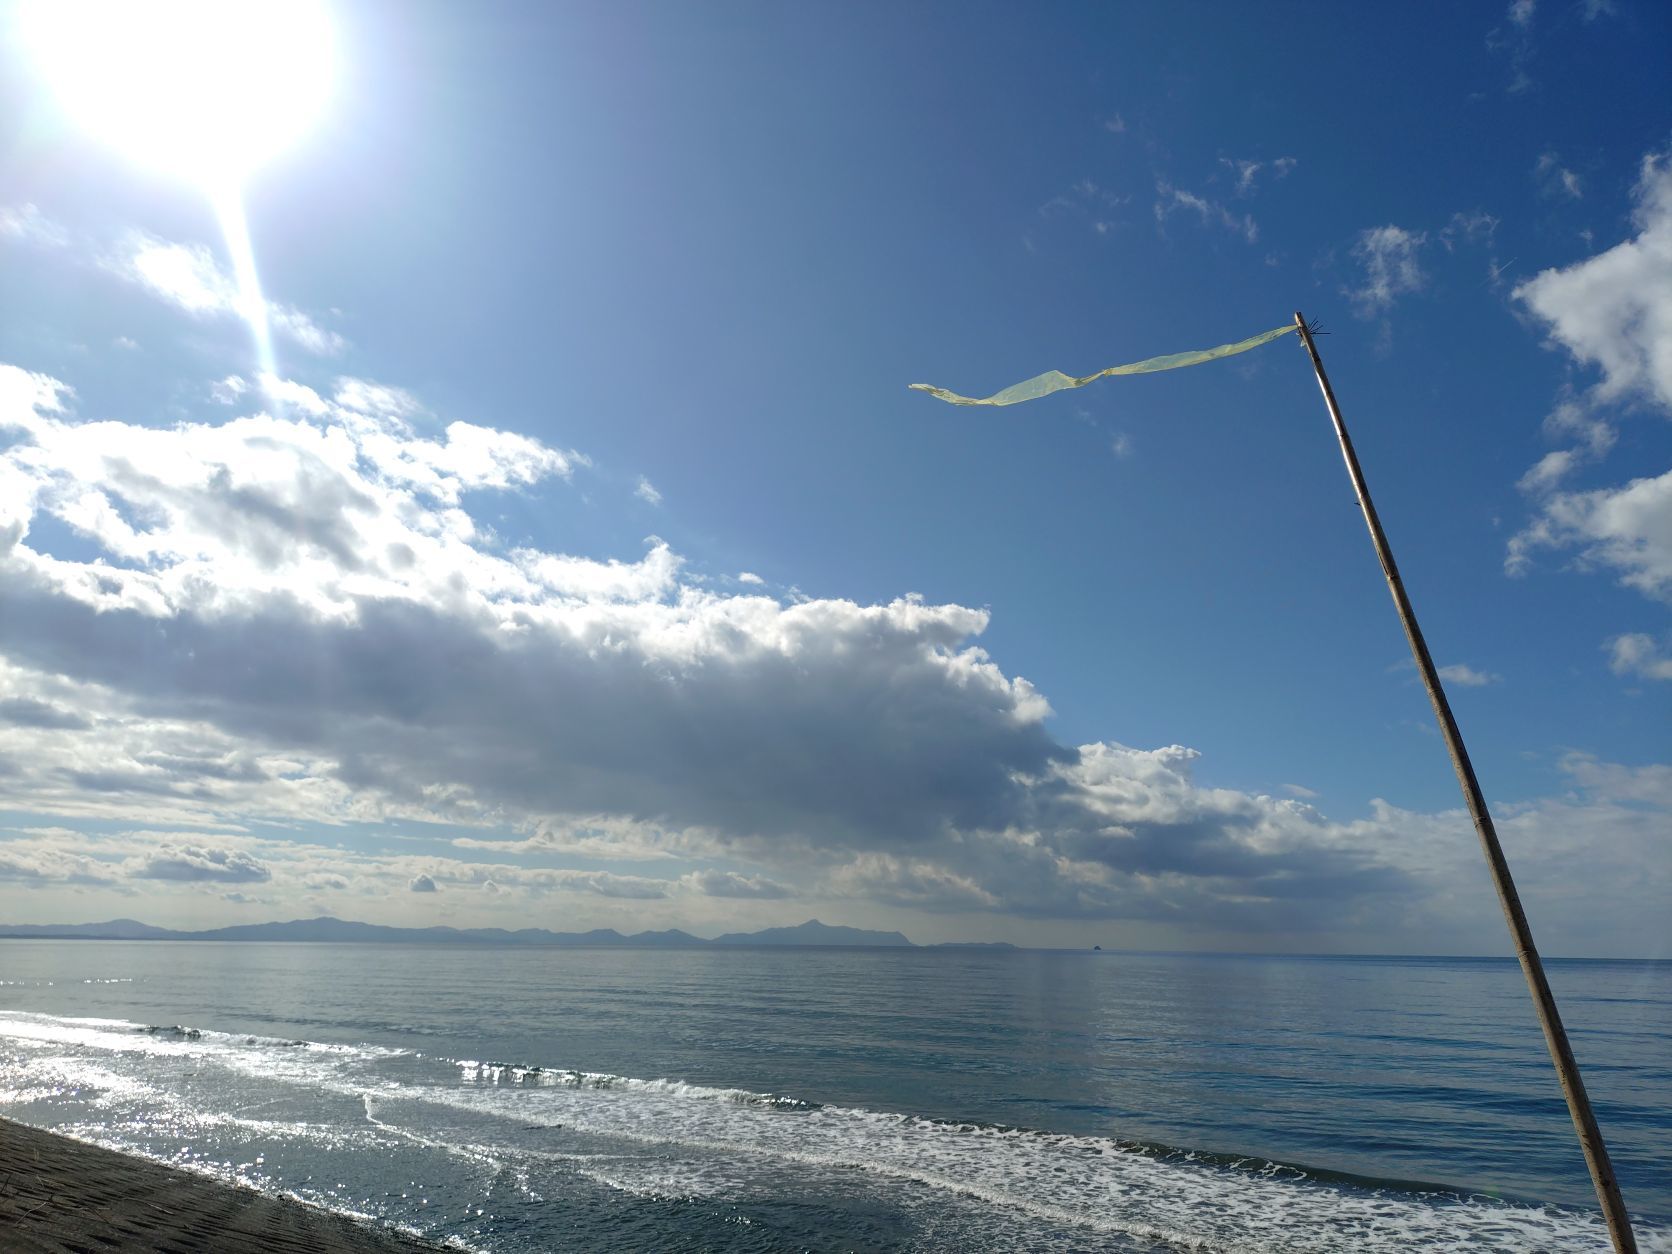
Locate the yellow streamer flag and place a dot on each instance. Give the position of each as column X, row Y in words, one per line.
column 1057, row 381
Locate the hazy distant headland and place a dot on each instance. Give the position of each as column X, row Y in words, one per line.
column 809, row 934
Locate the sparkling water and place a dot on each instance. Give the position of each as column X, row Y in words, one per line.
column 849, row 1099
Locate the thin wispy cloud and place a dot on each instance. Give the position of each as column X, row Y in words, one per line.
column 1170, row 200
column 1555, row 179
column 27, row 224
column 1390, row 266
column 1247, row 173
column 1515, row 39
column 1467, row 676
column 189, row 277
column 1477, row 227
column 646, row 492
column 185, row 276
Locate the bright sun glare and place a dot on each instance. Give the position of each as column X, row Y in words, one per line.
column 203, row 89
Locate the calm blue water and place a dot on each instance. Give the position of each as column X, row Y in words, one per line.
column 517, row 1100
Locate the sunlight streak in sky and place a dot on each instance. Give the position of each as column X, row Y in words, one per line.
column 252, row 305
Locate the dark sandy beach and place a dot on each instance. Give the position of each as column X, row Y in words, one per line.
column 59, row 1196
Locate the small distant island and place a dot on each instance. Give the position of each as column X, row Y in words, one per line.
column 342, row 931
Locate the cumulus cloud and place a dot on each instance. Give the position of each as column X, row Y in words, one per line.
column 1613, row 311
column 35, row 865
column 1637, row 653
column 196, row 863
column 1627, row 530
column 1388, row 259
column 297, row 616
column 421, row 884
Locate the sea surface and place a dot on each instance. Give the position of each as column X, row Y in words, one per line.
column 848, row 1099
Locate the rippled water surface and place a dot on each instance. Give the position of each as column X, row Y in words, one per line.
column 758, row 1099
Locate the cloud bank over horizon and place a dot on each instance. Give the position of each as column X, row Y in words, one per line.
column 294, row 618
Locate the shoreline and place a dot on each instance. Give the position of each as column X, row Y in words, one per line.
column 59, row 1195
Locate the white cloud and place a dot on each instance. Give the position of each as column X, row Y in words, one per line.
column 1626, row 529
column 1614, row 784
column 1521, row 11
column 749, row 577
column 296, row 619
column 1467, row 676
column 194, row 863
column 188, row 277
column 35, row 864
column 1115, row 125
column 1614, row 310
column 1388, row 256
column 647, row 492
column 1549, row 470
column 421, row 884
column 125, row 344
column 227, row 391
column 1637, row 653
column 1575, row 421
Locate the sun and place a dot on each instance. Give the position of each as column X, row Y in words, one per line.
column 206, row 90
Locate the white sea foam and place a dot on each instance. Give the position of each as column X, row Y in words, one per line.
column 514, row 1075
column 667, row 1138
column 1086, row 1183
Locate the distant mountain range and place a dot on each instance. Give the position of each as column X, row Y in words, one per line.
column 809, row 934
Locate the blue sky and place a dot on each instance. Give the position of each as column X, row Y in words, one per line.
column 678, row 628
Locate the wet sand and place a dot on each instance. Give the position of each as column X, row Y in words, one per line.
column 59, row 1196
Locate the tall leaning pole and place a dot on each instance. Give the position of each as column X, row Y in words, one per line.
column 1550, row 1020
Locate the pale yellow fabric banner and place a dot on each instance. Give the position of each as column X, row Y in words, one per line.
column 1056, row 380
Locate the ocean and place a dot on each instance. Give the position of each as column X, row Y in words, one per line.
column 514, row 1100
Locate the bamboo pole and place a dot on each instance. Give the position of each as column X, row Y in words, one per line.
column 1555, row 1036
